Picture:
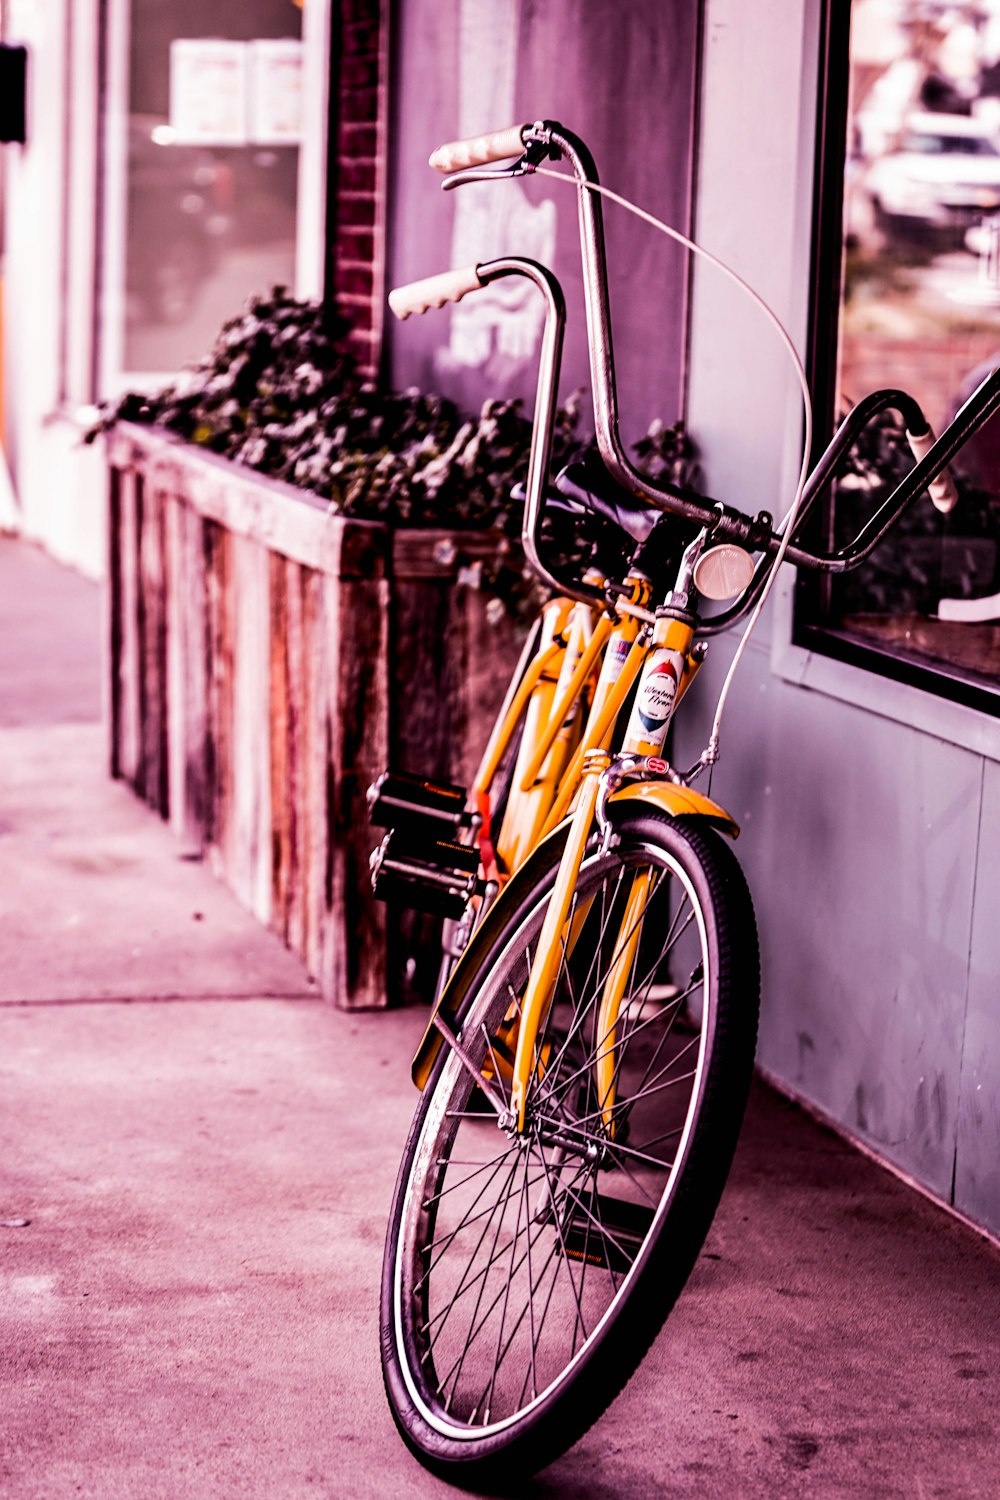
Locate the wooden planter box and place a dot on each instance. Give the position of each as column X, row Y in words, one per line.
column 267, row 660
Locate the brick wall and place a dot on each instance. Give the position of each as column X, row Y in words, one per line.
column 357, row 172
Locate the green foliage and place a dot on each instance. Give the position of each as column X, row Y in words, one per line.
column 280, row 392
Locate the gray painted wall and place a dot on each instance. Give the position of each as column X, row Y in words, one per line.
column 867, row 808
column 867, row 846
column 977, row 1174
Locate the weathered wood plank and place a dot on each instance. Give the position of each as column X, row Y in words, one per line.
column 357, row 733
column 219, row 704
column 129, row 664
column 278, row 516
column 248, row 846
column 433, row 552
column 153, row 771
column 175, row 582
column 449, row 670
column 295, row 646
column 280, row 800
column 117, row 478
column 267, row 663
column 491, row 652
column 315, row 832
column 187, row 691
column 426, row 658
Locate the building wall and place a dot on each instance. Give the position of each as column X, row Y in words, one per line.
column 621, row 74
column 866, row 806
column 57, row 488
column 57, row 325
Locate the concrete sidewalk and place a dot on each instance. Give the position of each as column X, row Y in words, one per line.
column 203, row 1153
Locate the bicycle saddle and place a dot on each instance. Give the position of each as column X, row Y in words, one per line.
column 632, row 533
column 588, row 483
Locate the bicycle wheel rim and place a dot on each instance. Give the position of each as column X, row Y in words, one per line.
column 487, row 1403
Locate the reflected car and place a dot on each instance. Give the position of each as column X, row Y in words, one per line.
column 942, row 178
column 179, row 211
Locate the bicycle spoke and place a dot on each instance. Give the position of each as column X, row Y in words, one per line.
column 551, row 1259
column 446, row 1239
column 530, row 1306
column 454, row 1161
column 599, row 986
column 673, row 1006
column 597, row 1223
column 441, row 1317
column 531, row 1310
column 581, row 1018
column 667, row 1135
column 563, row 969
column 585, row 1262
column 644, row 1090
column 506, row 1304
column 557, row 1249
column 640, row 1187
column 496, row 1069
column 486, row 1315
column 650, row 1084
column 562, row 1244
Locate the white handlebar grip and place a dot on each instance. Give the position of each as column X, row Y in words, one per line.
column 496, row 146
column 942, row 489
column 434, row 291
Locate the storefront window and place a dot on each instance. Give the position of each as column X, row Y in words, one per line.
column 920, row 309
column 208, row 189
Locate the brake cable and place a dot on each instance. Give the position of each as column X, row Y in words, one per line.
column 786, row 526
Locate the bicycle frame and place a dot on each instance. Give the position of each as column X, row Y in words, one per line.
column 585, row 783
column 602, row 636
column 561, row 773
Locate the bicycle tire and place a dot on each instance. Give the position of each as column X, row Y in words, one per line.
column 485, row 1436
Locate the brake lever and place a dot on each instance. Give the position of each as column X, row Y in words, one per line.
column 535, row 152
column 485, row 174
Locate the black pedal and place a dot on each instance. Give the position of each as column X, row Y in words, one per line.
column 400, row 800
column 426, row 873
column 606, row 1232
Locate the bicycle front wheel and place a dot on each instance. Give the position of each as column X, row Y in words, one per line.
column 526, row 1275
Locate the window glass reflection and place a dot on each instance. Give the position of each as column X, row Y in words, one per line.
column 212, row 169
column 921, row 309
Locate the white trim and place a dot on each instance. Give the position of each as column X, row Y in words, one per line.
column 79, row 190
column 310, row 227
column 110, row 320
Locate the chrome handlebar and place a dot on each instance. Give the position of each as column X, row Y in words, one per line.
column 756, row 534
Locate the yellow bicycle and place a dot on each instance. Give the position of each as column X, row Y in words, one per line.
column 585, row 1072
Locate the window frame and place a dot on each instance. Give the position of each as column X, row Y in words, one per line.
column 809, row 631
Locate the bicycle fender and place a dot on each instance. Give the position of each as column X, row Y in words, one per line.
column 666, row 796
column 677, row 801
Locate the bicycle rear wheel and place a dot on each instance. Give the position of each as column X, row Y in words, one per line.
column 525, row 1277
